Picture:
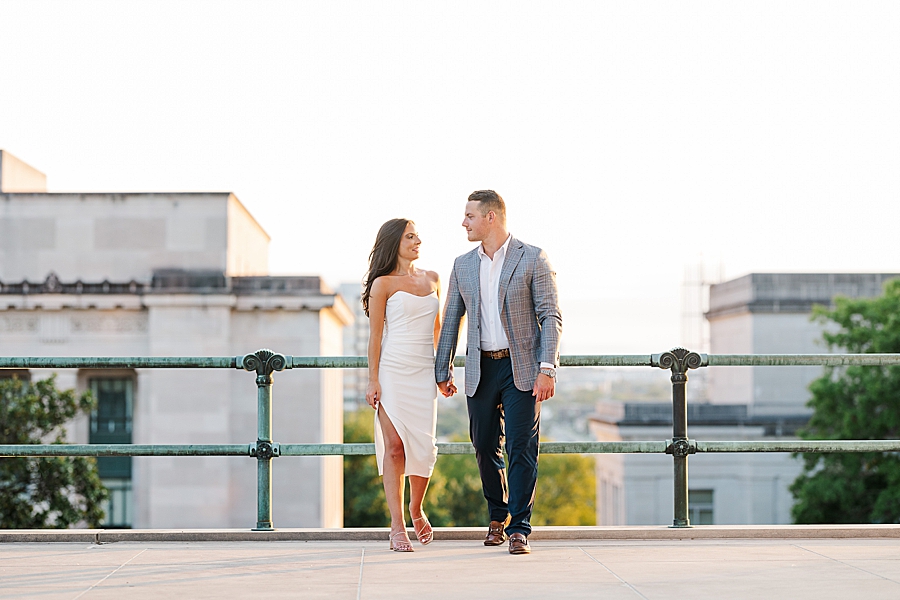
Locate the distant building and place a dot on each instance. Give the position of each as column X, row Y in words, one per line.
column 760, row 313
column 173, row 274
column 769, row 313
column 356, row 343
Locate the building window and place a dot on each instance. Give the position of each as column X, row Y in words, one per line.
column 22, row 374
column 111, row 423
column 700, row 503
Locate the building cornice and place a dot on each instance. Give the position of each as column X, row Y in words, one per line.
column 171, row 288
column 175, row 281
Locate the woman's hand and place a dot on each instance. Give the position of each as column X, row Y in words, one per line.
column 447, row 388
column 373, row 394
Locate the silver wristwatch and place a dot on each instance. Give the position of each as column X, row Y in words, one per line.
column 549, row 372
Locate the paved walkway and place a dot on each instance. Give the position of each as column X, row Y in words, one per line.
column 698, row 569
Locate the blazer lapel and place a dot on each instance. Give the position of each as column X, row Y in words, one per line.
column 475, row 272
column 514, row 253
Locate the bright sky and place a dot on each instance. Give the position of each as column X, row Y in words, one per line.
column 630, row 139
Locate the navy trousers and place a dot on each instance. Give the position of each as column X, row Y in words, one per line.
column 499, row 408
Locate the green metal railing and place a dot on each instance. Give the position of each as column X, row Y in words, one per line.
column 265, row 363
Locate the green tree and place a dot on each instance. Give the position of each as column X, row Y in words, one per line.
column 45, row 492
column 565, row 495
column 566, row 491
column 364, row 504
column 455, row 498
column 854, row 403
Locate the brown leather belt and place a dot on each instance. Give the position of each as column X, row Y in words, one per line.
column 496, row 354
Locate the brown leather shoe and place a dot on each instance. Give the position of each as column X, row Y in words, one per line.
column 518, row 544
column 496, row 535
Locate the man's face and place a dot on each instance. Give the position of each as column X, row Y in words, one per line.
column 477, row 226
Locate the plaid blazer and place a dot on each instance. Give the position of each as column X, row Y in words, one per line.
column 529, row 311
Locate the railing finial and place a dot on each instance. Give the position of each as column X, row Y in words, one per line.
column 264, row 362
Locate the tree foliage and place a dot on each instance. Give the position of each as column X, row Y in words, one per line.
column 854, row 402
column 364, row 504
column 53, row 492
column 566, row 491
column 565, row 494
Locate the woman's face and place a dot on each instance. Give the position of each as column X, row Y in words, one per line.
column 409, row 243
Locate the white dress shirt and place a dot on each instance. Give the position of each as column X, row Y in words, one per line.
column 493, row 337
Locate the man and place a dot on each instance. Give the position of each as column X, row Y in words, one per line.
column 508, row 288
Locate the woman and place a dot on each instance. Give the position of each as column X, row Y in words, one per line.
column 402, row 304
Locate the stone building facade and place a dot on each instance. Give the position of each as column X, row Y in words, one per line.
column 175, row 274
column 760, row 313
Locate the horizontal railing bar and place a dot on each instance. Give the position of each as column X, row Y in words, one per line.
column 605, row 360
column 302, row 449
column 785, row 360
column 812, row 446
column 327, row 449
column 580, row 360
column 329, row 362
column 359, row 362
column 126, row 450
column 466, row 448
column 633, row 447
column 113, row 362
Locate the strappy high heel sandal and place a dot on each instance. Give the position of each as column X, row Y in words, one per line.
column 401, row 544
column 425, row 534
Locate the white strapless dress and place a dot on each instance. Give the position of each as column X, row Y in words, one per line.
column 406, row 373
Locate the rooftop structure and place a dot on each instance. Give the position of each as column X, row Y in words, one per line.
column 172, row 274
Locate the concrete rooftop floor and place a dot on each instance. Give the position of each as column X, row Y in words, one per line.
column 711, row 568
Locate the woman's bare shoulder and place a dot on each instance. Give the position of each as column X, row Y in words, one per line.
column 383, row 286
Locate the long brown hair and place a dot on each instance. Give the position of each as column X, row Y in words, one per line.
column 384, row 255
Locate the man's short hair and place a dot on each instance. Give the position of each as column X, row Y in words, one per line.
column 489, row 200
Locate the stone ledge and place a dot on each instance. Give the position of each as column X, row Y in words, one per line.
column 103, row 536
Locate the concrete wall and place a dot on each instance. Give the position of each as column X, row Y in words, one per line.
column 747, row 488
column 731, row 334
column 307, row 408
column 356, row 341
column 769, row 313
column 766, row 390
column 610, row 475
column 202, row 406
column 248, row 243
column 126, row 236
column 122, row 237
column 784, row 390
column 332, row 427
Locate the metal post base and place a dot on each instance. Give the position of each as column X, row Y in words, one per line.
column 681, row 524
column 263, row 526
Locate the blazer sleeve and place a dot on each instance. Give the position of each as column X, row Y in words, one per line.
column 546, row 308
column 454, row 309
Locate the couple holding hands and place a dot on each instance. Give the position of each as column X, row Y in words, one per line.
column 508, row 289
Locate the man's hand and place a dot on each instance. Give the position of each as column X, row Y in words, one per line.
column 544, row 387
column 447, row 388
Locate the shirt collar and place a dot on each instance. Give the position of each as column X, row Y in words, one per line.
column 502, row 249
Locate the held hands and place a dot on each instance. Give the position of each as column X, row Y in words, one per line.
column 447, row 388
column 544, row 387
column 373, row 394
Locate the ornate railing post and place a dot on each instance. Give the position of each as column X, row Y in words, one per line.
column 264, row 362
column 679, row 360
